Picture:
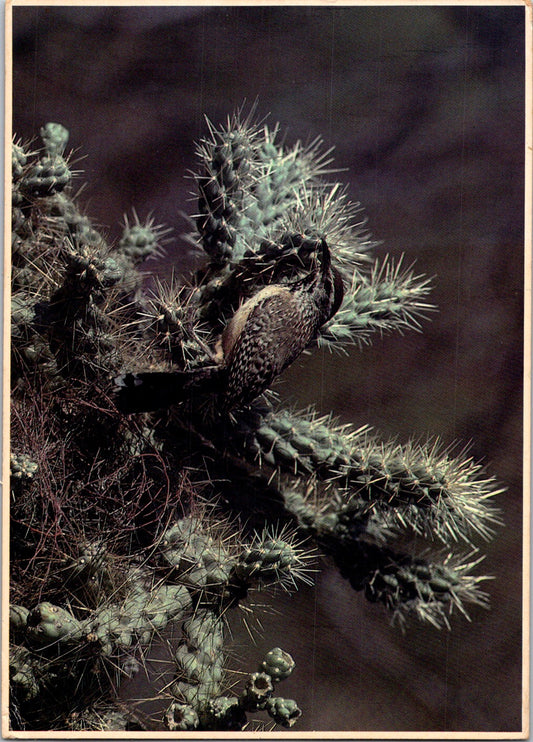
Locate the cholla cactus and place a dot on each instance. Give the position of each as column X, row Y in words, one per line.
column 129, row 529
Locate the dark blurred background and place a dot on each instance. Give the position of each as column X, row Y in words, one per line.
column 425, row 109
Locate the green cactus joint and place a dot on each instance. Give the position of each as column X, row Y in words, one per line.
column 19, row 160
column 22, row 467
column 284, row 711
column 222, row 714
column 18, row 618
column 55, row 138
column 258, row 689
column 22, row 676
column 180, row 717
column 137, row 529
column 49, row 175
column 47, row 623
column 277, row 664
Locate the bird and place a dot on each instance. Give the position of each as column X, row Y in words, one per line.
column 266, row 334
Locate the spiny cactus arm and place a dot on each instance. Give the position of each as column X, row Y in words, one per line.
column 202, row 558
column 429, row 589
column 277, row 556
column 227, row 161
column 64, row 219
column 197, row 551
column 418, row 486
column 244, row 183
column 92, row 266
column 139, row 618
column 113, row 626
column 253, row 190
column 62, row 649
column 323, row 209
column 389, row 298
column 39, row 177
column 140, row 240
column 199, row 659
column 286, row 174
column 48, row 624
column 44, row 207
column 33, row 259
column 48, row 175
column 45, row 193
column 168, row 319
column 19, row 159
column 428, row 586
column 65, row 277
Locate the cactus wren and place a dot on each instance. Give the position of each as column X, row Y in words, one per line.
column 264, row 336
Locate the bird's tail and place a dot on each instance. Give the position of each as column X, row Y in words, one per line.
column 155, row 390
